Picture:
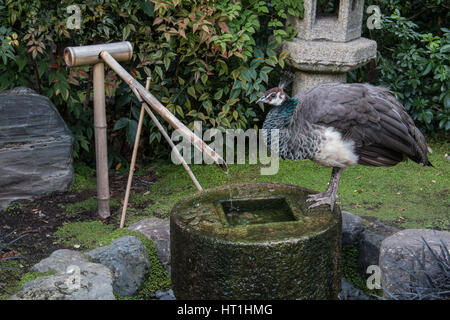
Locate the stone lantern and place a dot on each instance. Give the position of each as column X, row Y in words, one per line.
column 328, row 46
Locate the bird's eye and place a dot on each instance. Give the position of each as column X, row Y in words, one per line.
column 272, row 95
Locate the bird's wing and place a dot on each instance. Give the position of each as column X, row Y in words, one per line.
column 370, row 116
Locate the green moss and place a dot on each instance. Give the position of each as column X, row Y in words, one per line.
column 14, row 206
column 139, row 199
column 350, row 255
column 93, row 234
column 83, row 178
column 87, row 205
column 88, row 235
column 158, row 278
column 11, row 274
column 407, row 194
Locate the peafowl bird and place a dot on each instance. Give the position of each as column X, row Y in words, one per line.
column 339, row 125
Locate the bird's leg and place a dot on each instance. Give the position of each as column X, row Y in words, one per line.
column 329, row 196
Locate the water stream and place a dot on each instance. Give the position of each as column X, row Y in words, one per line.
column 231, row 190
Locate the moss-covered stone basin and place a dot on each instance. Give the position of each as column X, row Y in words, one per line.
column 263, row 244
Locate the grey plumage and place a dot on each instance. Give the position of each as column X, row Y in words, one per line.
column 340, row 124
column 383, row 133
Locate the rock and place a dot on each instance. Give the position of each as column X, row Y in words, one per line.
column 76, row 279
column 352, row 226
column 370, row 242
column 165, row 295
column 58, row 261
column 128, row 261
column 404, row 257
column 349, row 292
column 35, row 147
column 157, row 230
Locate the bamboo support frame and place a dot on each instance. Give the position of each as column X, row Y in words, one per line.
column 110, row 53
column 144, row 108
column 174, row 149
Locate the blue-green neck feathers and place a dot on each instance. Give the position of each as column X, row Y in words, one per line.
column 280, row 116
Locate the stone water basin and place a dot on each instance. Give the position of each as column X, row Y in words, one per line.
column 264, row 243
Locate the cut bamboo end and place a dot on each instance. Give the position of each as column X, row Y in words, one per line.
column 87, row 55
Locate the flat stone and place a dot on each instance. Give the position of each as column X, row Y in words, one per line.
column 328, row 56
column 35, row 147
column 76, row 279
column 370, row 243
column 157, row 230
column 128, row 261
column 405, row 258
column 59, row 260
column 352, row 226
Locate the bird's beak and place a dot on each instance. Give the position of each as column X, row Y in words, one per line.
column 262, row 99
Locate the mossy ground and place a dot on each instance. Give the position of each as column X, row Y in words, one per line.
column 350, row 255
column 407, row 195
column 90, row 204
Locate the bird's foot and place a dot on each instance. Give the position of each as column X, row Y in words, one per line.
column 322, row 198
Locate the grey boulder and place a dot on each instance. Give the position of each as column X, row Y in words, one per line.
column 407, row 262
column 352, row 226
column 128, row 261
column 35, row 147
column 370, row 243
column 157, row 230
column 76, row 279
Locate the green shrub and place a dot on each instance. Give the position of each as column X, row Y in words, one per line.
column 208, row 60
column 413, row 59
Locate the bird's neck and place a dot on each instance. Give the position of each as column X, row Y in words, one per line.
column 280, row 116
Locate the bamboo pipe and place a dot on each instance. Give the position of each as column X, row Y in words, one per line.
column 163, row 111
column 87, row 55
column 101, row 153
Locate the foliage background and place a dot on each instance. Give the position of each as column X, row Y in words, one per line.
column 207, row 60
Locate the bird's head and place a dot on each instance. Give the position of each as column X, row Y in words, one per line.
column 275, row 96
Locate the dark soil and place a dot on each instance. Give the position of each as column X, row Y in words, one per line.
column 40, row 218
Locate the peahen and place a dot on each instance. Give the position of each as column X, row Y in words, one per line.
column 339, row 125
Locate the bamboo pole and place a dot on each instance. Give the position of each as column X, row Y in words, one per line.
column 174, row 149
column 136, row 145
column 163, row 111
column 133, row 160
column 100, row 140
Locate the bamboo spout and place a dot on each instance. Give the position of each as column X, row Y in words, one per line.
column 163, row 111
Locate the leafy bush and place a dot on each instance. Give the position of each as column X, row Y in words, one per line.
column 207, row 60
column 413, row 59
